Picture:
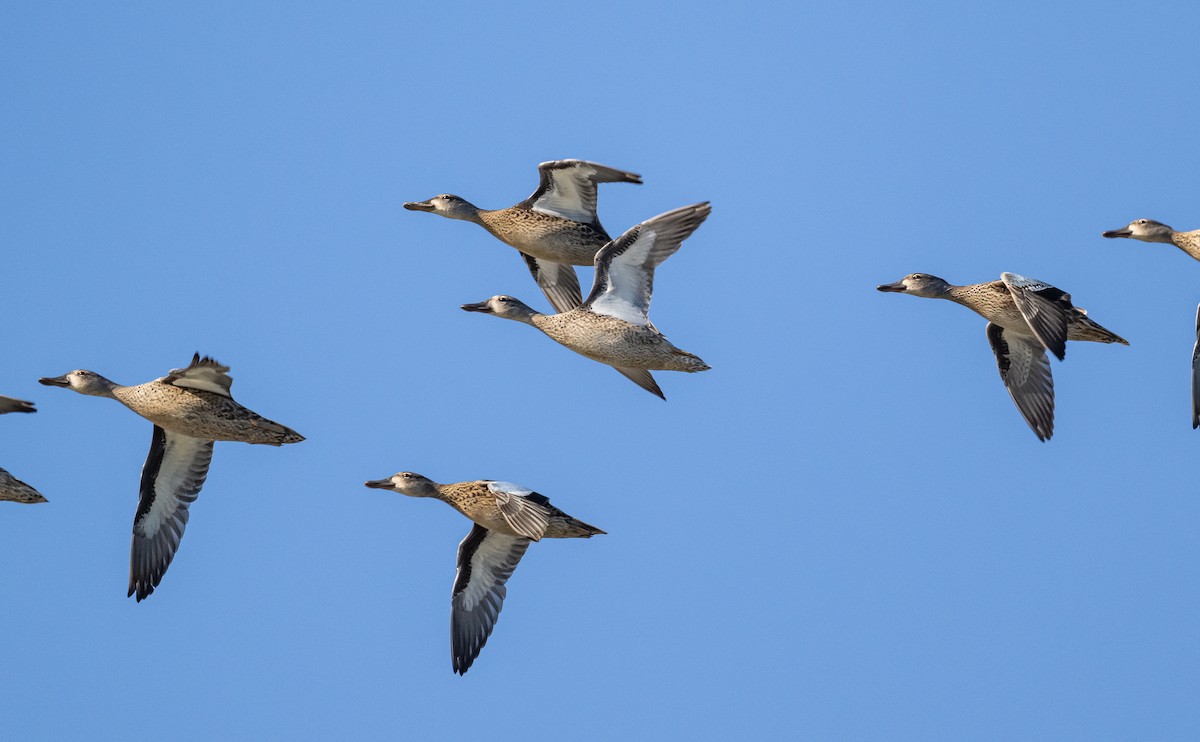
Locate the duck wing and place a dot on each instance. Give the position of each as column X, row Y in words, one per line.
column 558, row 281
column 1044, row 307
column 524, row 515
column 1025, row 370
column 1196, row 375
column 486, row 560
column 171, row 479
column 568, row 189
column 642, row 378
column 204, row 374
column 625, row 267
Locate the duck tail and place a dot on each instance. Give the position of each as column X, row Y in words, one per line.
column 1087, row 329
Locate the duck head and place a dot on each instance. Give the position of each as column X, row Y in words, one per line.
column 503, row 306
column 82, row 381
column 406, row 483
column 1146, row 230
column 447, row 205
column 917, row 284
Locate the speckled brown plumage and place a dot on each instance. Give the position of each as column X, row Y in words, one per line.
column 201, row 414
column 478, row 501
column 14, row 490
column 994, row 302
column 543, row 235
column 616, row 342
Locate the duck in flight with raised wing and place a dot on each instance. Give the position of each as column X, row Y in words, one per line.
column 1148, row 230
column 11, row 488
column 190, row 408
column 553, row 229
column 507, row 517
column 1026, row 317
column 613, row 324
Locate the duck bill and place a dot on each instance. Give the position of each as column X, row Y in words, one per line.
column 379, row 484
column 477, row 307
column 892, row 288
column 1117, row 233
column 54, row 381
column 418, row 206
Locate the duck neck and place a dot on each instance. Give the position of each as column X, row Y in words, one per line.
column 1189, row 242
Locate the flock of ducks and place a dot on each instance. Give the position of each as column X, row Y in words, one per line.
column 554, row 229
column 1027, row 317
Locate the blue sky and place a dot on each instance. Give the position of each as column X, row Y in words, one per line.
column 844, row 530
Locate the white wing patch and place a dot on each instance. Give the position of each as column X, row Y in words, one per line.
column 486, row 560
column 567, row 196
column 174, row 472
column 626, row 294
column 1023, row 282
column 509, row 488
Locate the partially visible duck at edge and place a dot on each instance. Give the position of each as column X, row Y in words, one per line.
column 1148, row 230
column 11, row 488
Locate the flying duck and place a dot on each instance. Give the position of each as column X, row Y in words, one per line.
column 1148, row 230
column 507, row 517
column 1026, row 317
column 613, row 326
column 553, row 229
column 190, row 408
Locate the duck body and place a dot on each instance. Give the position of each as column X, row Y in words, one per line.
column 544, row 236
column 616, row 342
column 479, row 501
column 994, row 302
column 197, row 413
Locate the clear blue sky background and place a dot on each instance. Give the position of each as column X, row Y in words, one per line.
column 842, row 531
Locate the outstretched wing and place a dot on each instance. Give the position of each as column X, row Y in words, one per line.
column 558, row 281
column 1025, row 371
column 1044, row 307
column 486, row 560
column 568, row 189
column 625, row 267
column 525, row 516
column 171, row 479
column 204, row 374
